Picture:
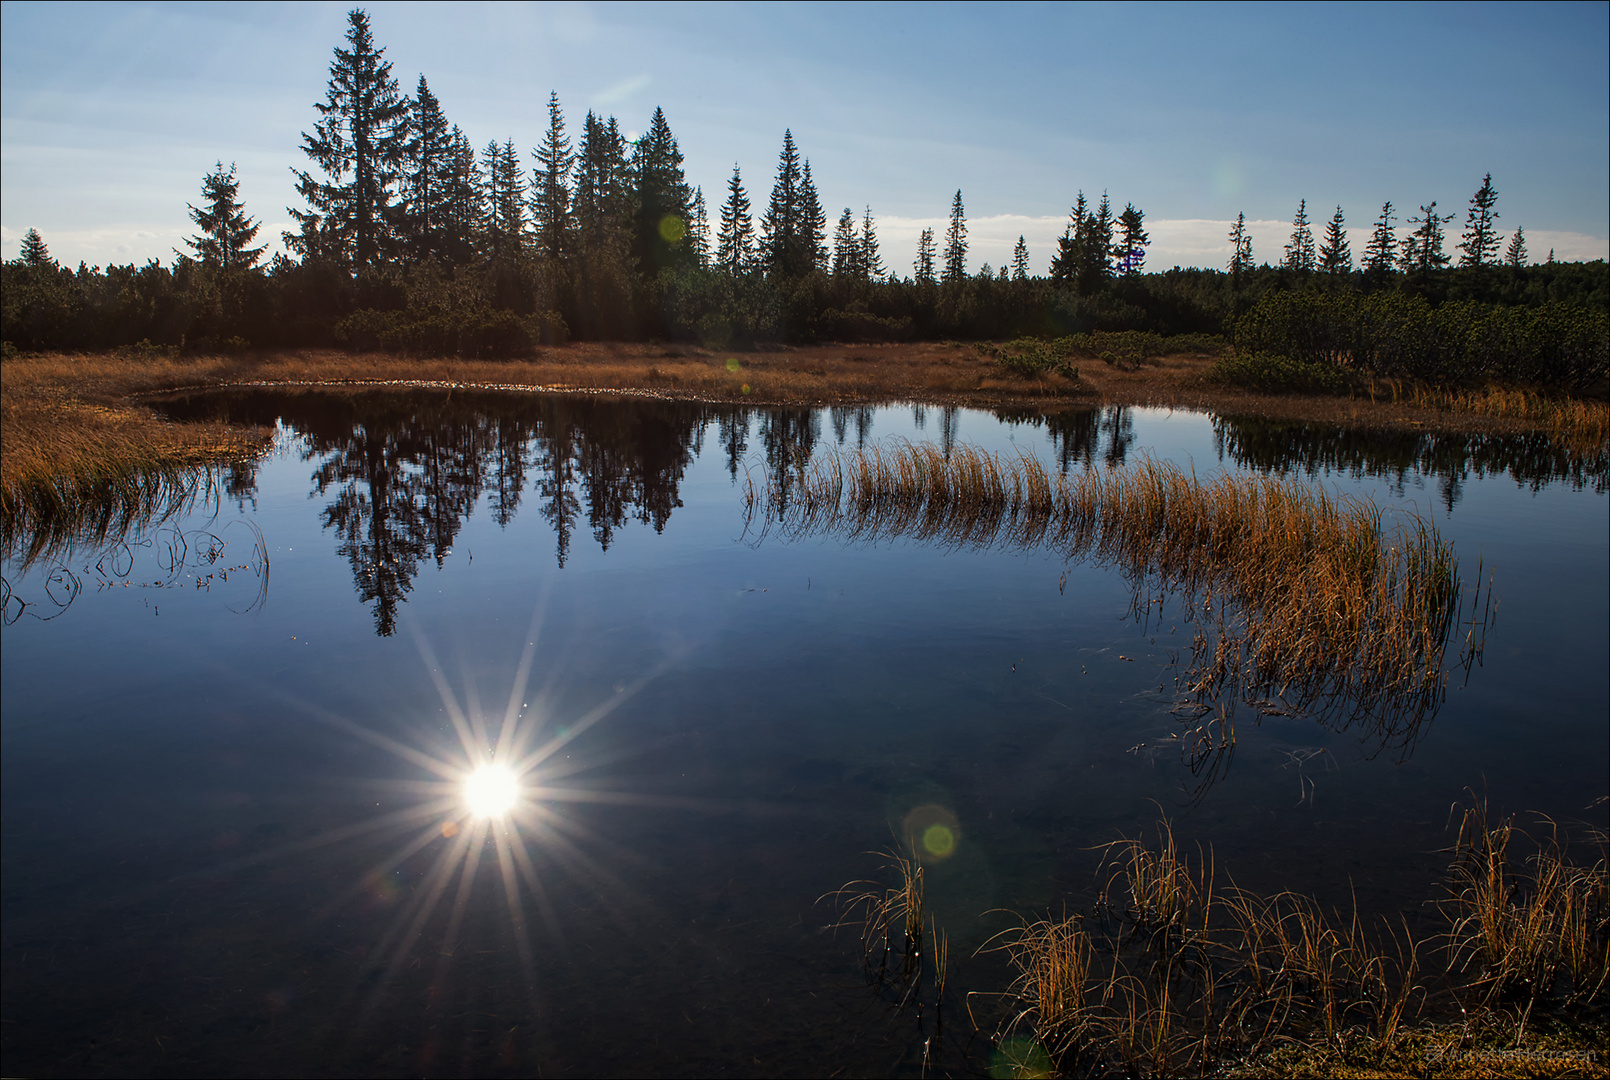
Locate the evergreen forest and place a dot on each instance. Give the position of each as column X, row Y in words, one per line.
column 412, row 239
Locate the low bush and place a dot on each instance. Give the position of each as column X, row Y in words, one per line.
column 1275, row 374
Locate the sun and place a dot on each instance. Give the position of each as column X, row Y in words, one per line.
column 491, row 791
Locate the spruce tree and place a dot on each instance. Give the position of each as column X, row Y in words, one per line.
column 35, row 254
column 781, row 226
column 871, row 261
column 1381, row 253
column 225, row 228
column 1300, row 251
column 735, row 243
column 1099, row 247
column 362, row 133
column 1515, row 254
column 464, row 205
column 1240, row 247
column 1335, row 257
column 550, row 186
column 924, row 264
column 813, row 224
column 427, row 178
column 505, row 229
column 601, row 203
column 956, row 241
column 1066, row 265
column 1422, row 251
column 1020, row 260
column 661, row 199
column 1132, row 243
column 846, row 248
column 1480, row 244
column 699, row 230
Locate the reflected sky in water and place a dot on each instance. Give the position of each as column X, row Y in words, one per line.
column 235, row 814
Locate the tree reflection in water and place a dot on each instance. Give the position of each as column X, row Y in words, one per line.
column 402, row 471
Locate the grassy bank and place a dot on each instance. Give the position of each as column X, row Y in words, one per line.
column 70, row 419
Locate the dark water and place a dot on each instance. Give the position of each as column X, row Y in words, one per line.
column 232, row 737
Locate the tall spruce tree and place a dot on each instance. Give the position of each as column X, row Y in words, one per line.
column 427, row 178
column 1099, row 248
column 846, row 247
column 504, row 234
column 34, row 254
column 956, row 241
column 225, row 227
column 813, row 222
column 699, row 229
column 1381, row 253
column 550, row 186
column 1132, row 241
column 464, row 207
column 661, row 199
column 1020, row 260
column 601, row 202
column 1300, row 250
column 924, row 264
column 362, row 133
column 782, row 227
column 1240, row 247
column 1335, row 256
column 1070, row 257
column 871, row 261
column 1481, row 241
column 1515, row 254
column 735, row 242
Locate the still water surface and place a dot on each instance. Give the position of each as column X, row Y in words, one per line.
column 233, row 740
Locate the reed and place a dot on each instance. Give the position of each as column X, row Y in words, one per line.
column 1301, row 601
column 1182, row 979
column 1579, row 423
column 1531, row 931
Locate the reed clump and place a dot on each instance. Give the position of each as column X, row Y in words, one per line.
column 1301, row 601
column 1582, row 425
column 1533, row 931
column 900, row 940
column 1169, row 975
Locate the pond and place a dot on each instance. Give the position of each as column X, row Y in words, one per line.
column 237, row 723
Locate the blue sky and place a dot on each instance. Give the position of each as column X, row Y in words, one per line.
column 110, row 114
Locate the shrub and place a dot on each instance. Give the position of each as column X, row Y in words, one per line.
column 1275, row 374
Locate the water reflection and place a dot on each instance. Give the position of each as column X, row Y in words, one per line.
column 1534, row 460
column 399, row 473
column 121, row 537
column 1083, row 437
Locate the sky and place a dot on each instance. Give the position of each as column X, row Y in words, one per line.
column 110, row 114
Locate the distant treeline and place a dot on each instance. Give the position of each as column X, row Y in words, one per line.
column 411, row 241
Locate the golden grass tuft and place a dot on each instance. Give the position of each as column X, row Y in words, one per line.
column 1302, row 602
column 1180, row 979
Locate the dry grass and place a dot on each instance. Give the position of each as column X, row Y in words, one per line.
column 42, row 394
column 1531, row 932
column 1301, row 602
column 1582, row 425
column 1178, row 978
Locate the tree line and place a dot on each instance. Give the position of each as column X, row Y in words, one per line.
column 411, row 239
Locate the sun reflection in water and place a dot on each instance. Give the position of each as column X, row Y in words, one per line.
column 491, row 791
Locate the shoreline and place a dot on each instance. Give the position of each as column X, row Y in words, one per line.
column 67, row 414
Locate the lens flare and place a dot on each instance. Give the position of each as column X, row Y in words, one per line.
column 491, row 791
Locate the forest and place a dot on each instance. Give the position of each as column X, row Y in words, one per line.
column 413, row 241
